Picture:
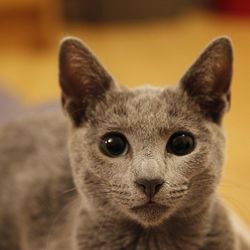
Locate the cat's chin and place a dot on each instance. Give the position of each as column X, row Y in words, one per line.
column 150, row 214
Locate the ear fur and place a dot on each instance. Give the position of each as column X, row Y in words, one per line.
column 83, row 79
column 208, row 80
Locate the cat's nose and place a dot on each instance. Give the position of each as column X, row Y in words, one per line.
column 149, row 187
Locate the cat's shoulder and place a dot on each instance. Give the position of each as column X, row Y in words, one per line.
column 33, row 153
column 36, row 184
column 45, row 129
column 35, row 124
column 33, row 141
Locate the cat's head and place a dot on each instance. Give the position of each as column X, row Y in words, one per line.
column 147, row 153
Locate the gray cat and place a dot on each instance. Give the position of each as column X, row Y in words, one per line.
column 136, row 170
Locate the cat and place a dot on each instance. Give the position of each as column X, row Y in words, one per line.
column 126, row 169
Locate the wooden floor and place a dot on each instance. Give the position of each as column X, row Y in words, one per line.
column 156, row 52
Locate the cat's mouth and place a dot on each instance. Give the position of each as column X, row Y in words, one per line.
column 150, row 213
column 150, row 206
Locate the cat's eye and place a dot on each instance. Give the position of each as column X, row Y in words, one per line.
column 114, row 144
column 181, row 143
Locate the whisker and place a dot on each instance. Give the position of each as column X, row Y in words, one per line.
column 69, row 190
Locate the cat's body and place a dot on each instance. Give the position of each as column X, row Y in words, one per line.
column 33, row 181
column 39, row 198
column 40, row 207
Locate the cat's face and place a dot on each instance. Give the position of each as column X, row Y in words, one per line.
column 148, row 153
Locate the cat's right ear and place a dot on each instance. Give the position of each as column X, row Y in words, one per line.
column 83, row 79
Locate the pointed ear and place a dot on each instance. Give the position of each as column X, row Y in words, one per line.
column 83, row 80
column 208, row 80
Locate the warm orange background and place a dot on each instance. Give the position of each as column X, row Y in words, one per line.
column 156, row 52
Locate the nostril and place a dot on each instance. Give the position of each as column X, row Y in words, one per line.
column 158, row 187
column 141, row 186
column 149, row 187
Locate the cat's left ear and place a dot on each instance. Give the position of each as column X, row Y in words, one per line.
column 83, row 80
column 208, row 80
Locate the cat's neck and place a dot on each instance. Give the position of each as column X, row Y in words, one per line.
column 185, row 231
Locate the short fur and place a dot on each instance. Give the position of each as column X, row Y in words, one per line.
column 59, row 196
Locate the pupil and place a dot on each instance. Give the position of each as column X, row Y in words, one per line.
column 181, row 144
column 114, row 144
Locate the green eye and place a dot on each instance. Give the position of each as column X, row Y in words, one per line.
column 114, row 144
column 181, row 143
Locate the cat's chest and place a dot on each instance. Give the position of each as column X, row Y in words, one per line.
column 136, row 239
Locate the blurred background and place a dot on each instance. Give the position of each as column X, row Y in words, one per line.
column 139, row 41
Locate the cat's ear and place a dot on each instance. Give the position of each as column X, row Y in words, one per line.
column 83, row 79
column 208, row 80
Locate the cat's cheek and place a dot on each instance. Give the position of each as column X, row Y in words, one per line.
column 186, row 166
column 81, row 152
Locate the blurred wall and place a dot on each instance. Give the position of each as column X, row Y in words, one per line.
column 112, row 10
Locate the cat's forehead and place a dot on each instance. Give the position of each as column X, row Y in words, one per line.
column 143, row 102
column 147, row 111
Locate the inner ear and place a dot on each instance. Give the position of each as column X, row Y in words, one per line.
column 83, row 79
column 208, row 80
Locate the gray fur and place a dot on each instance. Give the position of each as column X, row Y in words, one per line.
column 56, row 195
